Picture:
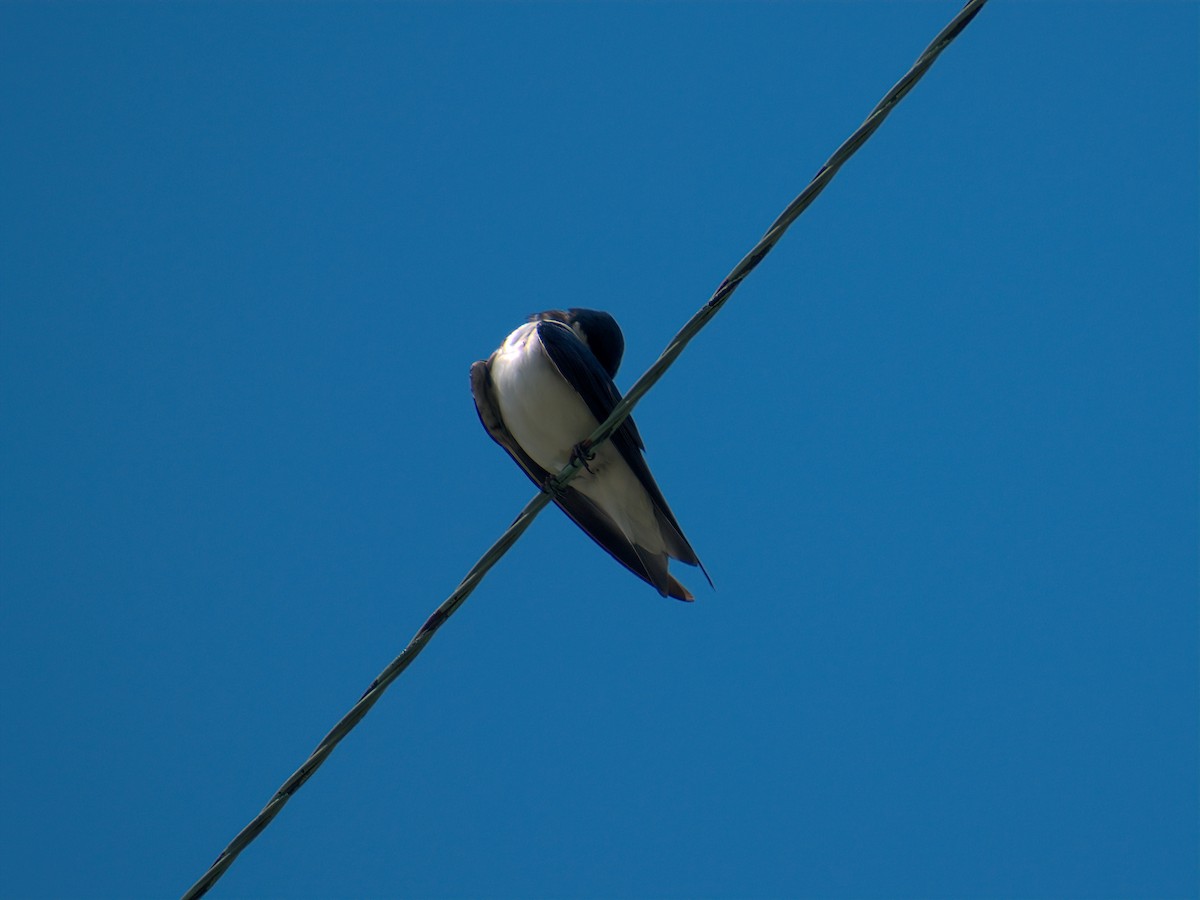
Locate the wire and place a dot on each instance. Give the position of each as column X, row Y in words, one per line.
column 602, row 433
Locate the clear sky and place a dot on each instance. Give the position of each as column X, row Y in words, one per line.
column 939, row 453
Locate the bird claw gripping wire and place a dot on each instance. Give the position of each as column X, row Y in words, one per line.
column 585, row 454
column 550, row 486
column 581, row 453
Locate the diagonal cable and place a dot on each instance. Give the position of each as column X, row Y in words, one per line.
column 602, row 433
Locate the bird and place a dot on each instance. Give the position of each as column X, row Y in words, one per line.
column 539, row 396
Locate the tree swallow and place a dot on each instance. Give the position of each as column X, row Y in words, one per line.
column 539, row 396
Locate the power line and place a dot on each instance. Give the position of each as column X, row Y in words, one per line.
column 602, row 433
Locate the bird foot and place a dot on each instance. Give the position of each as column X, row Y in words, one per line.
column 584, row 453
column 550, row 487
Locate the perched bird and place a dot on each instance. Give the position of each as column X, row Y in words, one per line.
column 540, row 395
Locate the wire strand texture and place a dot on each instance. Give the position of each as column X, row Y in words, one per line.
column 602, row 433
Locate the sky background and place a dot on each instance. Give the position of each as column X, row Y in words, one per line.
column 939, row 452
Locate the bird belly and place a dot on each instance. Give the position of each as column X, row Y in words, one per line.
column 613, row 487
column 540, row 409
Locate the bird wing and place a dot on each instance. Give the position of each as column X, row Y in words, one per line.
column 584, row 373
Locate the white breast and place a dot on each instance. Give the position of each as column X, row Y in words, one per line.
column 541, row 411
column 548, row 418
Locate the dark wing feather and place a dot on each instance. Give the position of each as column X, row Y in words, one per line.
column 583, row 372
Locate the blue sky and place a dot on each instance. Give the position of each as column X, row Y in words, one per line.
column 939, row 453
